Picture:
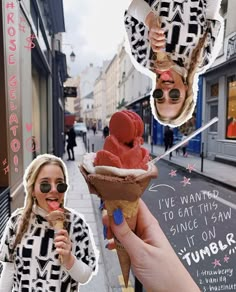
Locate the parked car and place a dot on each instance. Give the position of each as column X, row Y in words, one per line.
column 80, row 129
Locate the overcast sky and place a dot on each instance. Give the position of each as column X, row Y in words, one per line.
column 94, row 29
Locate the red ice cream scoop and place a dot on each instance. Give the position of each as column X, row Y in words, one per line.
column 122, row 148
column 126, row 126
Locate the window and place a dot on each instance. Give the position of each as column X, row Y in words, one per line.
column 213, row 107
column 231, row 108
column 215, row 90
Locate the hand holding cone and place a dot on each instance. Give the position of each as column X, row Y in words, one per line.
column 56, row 218
column 120, row 173
column 162, row 61
column 124, row 194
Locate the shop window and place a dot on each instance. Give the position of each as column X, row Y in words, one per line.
column 231, row 109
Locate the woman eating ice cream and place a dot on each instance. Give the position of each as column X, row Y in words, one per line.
column 46, row 246
column 177, row 41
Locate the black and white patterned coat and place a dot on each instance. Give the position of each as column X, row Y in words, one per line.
column 36, row 263
column 184, row 23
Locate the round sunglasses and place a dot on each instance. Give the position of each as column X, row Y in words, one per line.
column 174, row 94
column 46, row 187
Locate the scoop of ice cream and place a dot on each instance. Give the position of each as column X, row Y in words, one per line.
column 122, row 148
column 56, row 215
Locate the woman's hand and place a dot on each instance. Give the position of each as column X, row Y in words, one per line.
column 156, row 33
column 154, row 261
column 63, row 247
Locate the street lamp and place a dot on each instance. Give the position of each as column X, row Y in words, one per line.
column 72, row 55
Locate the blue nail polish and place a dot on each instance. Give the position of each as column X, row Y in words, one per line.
column 118, row 216
column 104, row 231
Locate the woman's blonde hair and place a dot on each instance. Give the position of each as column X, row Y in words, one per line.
column 189, row 103
column 30, row 176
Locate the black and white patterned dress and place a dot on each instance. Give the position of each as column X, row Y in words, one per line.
column 184, row 23
column 37, row 267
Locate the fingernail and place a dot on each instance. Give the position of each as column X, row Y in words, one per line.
column 104, row 231
column 118, row 216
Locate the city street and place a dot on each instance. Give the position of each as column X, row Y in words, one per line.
column 197, row 215
column 194, row 216
column 73, row 71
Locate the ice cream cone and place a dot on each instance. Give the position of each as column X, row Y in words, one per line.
column 56, row 219
column 123, row 193
column 129, row 210
column 58, row 225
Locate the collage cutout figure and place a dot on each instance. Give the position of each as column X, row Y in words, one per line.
column 173, row 42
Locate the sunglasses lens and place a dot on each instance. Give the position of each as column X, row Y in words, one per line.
column 157, row 93
column 61, row 188
column 45, row 188
column 174, row 94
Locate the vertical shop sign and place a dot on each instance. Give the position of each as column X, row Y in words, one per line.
column 12, row 85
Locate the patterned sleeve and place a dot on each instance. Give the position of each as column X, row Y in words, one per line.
column 138, row 42
column 213, row 43
column 85, row 249
column 8, row 238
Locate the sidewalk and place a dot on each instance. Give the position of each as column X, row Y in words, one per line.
column 216, row 171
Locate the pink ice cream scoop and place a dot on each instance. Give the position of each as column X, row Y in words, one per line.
column 56, row 215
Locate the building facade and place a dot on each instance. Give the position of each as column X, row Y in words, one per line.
column 87, row 80
column 219, row 94
column 32, row 72
column 112, row 99
column 100, row 98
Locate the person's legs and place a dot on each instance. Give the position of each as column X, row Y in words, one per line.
column 184, row 151
column 170, row 145
column 166, row 147
column 68, row 152
column 73, row 154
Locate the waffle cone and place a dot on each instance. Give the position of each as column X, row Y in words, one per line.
column 109, row 187
column 58, row 225
column 129, row 210
column 123, row 193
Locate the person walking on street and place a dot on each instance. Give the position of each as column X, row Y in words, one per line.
column 71, row 143
column 168, row 139
column 105, row 132
column 94, row 128
column 184, row 147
